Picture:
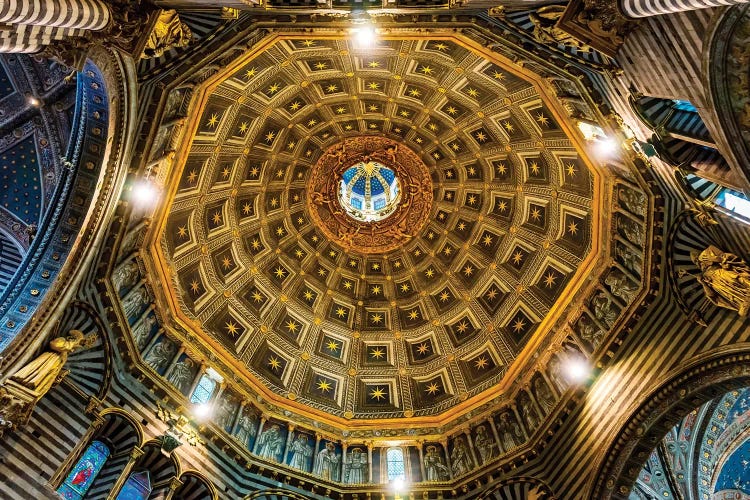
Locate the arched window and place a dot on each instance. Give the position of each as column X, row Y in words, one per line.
column 83, row 474
column 206, row 386
column 137, row 487
column 395, row 460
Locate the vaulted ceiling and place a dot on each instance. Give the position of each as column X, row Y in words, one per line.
column 330, row 322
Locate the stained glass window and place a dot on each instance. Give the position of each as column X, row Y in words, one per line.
column 137, row 487
column 395, row 460
column 204, row 390
column 84, row 472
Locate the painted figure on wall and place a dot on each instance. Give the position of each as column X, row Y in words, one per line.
column 510, row 432
column 485, row 444
column 160, row 354
column 460, row 459
column 247, row 426
column 181, row 374
column 327, row 466
column 356, row 467
column 301, row 452
column 434, row 467
column 271, row 443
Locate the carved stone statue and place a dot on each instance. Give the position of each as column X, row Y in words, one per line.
column 327, row 465
column 181, row 374
column 434, row 467
column 301, row 452
column 621, row 286
column 510, row 432
column 270, row 443
column 21, row 392
column 356, row 467
column 545, row 21
column 725, row 279
column 168, row 32
column 460, row 459
column 246, row 427
column 485, row 444
column 39, row 374
column 160, row 354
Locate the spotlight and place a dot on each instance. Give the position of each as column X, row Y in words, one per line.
column 365, row 36
column 398, row 484
column 202, row 411
column 606, row 146
column 33, row 101
column 144, row 193
column 576, row 370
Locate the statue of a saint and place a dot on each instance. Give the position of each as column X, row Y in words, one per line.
column 169, row 32
column 434, row 467
column 327, row 465
column 40, row 374
column 301, row 452
column 356, row 467
column 529, row 416
column 270, row 443
column 725, row 279
column 225, row 413
column 545, row 21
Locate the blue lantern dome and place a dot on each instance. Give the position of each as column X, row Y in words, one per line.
column 369, row 191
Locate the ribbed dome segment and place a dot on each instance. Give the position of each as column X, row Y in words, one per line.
column 369, row 191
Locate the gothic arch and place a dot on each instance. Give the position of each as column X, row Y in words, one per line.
column 705, row 378
column 195, row 486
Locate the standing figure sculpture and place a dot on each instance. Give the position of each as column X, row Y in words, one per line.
column 40, row 374
column 270, row 443
column 23, row 390
column 327, row 466
column 725, row 279
column 434, row 467
column 301, row 452
column 168, row 32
